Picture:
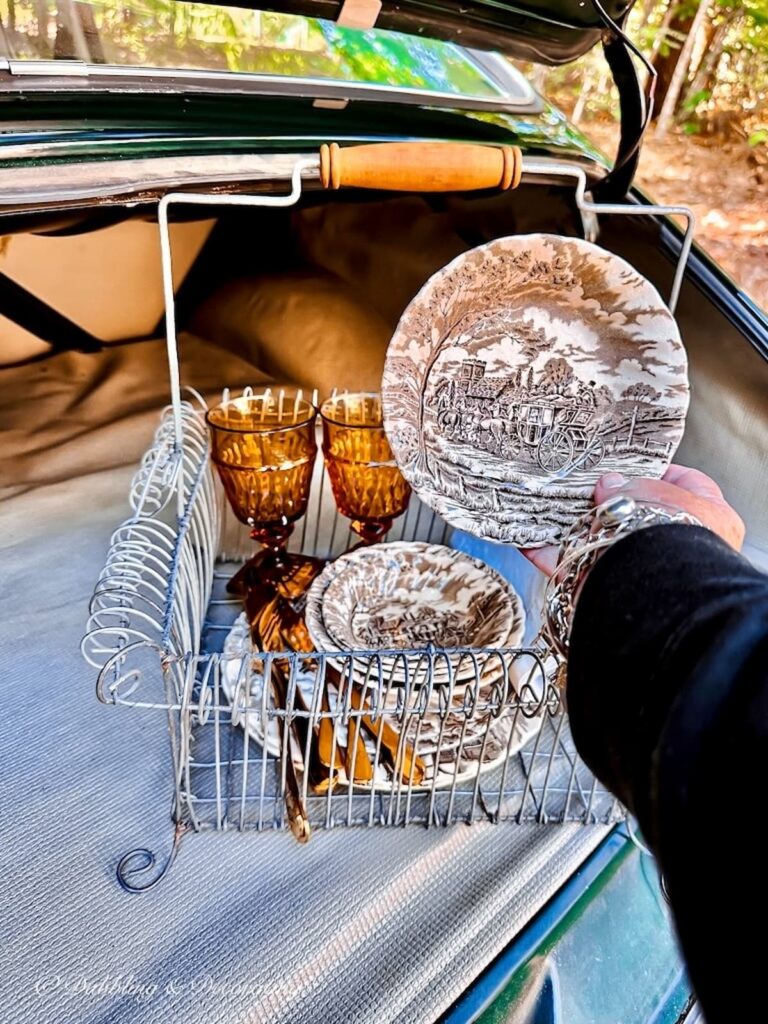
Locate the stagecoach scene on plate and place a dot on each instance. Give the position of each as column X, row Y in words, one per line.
column 557, row 423
column 521, row 373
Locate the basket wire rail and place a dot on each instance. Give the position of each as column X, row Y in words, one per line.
column 453, row 735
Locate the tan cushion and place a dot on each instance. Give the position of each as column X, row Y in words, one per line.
column 304, row 327
column 411, row 243
column 387, row 249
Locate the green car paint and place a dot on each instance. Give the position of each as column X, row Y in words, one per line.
column 601, row 952
column 92, row 125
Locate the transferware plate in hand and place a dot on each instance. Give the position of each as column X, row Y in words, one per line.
column 524, row 371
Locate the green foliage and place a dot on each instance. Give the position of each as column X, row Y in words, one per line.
column 206, row 36
column 727, row 72
column 758, row 138
column 696, row 99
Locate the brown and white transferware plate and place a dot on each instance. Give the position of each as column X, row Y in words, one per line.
column 408, row 596
column 520, row 374
column 461, row 668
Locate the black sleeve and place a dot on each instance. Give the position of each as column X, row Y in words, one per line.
column 668, row 700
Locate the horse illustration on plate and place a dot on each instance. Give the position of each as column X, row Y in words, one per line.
column 554, row 427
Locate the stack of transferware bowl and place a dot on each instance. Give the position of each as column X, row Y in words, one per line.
column 408, row 627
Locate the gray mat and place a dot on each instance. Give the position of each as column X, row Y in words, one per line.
column 364, row 925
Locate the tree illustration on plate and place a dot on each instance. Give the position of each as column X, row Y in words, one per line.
column 557, row 376
column 530, row 337
column 603, row 397
column 641, row 393
column 458, row 306
column 512, row 306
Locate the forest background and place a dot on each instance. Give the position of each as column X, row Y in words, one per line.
column 708, row 144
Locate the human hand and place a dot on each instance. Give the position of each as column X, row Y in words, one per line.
column 685, row 490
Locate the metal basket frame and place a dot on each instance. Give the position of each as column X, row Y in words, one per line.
column 158, row 616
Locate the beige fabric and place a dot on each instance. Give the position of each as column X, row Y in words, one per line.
column 107, row 281
column 412, row 243
column 304, row 326
column 75, row 414
column 726, row 433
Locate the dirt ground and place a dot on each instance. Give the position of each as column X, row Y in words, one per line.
column 725, row 186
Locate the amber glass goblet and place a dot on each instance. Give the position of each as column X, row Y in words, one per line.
column 368, row 487
column 263, row 446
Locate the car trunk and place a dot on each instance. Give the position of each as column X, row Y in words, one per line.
column 306, row 295
column 310, row 296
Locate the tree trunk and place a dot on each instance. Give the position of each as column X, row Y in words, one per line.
column 679, row 75
column 701, row 47
column 584, row 93
column 673, row 32
column 41, row 14
column 661, row 32
column 70, row 38
column 425, row 379
column 84, row 13
column 705, row 76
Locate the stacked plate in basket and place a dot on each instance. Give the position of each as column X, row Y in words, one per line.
column 425, row 600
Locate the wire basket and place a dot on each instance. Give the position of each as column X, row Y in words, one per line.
column 469, row 735
column 160, row 627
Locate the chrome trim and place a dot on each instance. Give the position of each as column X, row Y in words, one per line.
column 694, row 1015
column 44, row 74
column 39, row 150
column 505, row 75
column 138, row 181
column 50, row 68
column 144, row 180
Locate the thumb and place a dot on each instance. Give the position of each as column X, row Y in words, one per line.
column 691, row 492
column 668, row 490
column 608, row 485
column 642, row 488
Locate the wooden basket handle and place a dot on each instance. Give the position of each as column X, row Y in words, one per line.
column 421, row 166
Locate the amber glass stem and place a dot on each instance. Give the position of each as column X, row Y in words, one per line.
column 371, row 531
column 272, row 537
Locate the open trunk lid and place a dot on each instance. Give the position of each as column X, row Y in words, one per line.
column 543, row 31
column 358, row 67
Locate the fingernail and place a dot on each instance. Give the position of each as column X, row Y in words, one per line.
column 612, row 481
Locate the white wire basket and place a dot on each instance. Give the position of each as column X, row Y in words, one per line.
column 470, row 735
column 444, row 746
